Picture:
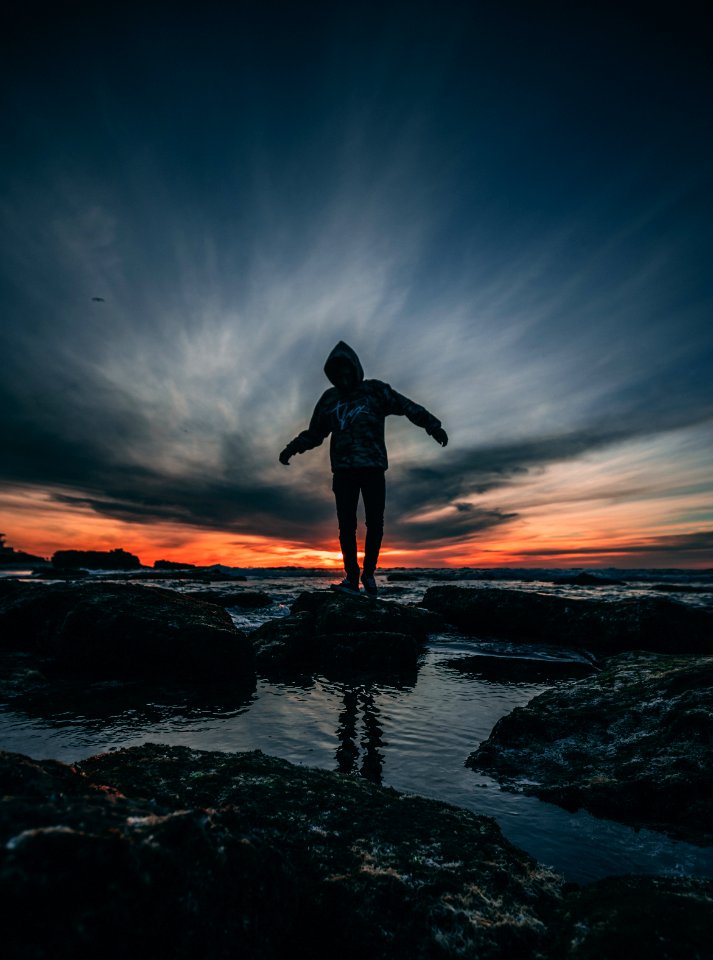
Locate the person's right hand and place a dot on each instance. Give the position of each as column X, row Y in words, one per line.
column 440, row 436
column 285, row 457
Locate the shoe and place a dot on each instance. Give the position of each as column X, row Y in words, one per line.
column 346, row 586
column 369, row 586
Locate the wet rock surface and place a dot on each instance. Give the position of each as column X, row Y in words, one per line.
column 285, row 644
column 178, row 853
column 611, row 626
column 122, row 631
column 329, row 631
column 633, row 743
column 624, row 918
column 341, row 613
column 193, row 854
column 245, row 599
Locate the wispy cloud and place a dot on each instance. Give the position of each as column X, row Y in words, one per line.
column 546, row 306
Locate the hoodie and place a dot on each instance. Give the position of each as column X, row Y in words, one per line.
column 355, row 417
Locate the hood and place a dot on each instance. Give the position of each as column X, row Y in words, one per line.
column 343, row 353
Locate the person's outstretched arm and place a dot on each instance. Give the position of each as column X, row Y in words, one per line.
column 400, row 405
column 315, row 433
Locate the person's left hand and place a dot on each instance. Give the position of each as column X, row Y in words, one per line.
column 440, row 436
column 285, row 457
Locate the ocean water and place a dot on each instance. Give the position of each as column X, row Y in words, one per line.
column 414, row 735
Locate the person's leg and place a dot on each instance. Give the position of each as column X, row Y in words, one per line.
column 346, row 493
column 373, row 491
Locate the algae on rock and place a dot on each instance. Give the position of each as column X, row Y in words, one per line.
column 196, row 853
column 633, row 743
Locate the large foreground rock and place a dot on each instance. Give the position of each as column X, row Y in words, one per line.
column 633, row 743
column 123, row 631
column 179, row 854
column 167, row 852
column 330, row 631
column 647, row 623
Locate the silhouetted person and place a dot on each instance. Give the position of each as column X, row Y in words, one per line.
column 353, row 411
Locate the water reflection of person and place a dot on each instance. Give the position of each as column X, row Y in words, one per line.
column 348, row 751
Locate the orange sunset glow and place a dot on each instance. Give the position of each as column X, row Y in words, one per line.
column 570, row 534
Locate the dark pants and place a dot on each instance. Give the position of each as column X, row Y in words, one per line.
column 347, row 485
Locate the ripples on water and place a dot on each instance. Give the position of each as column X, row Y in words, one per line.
column 414, row 736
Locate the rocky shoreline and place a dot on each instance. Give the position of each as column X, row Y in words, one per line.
column 255, row 852
column 189, row 853
column 633, row 742
column 600, row 626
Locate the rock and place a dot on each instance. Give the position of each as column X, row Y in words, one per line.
column 196, row 575
column 410, row 576
column 311, row 601
column 84, row 870
column 124, row 630
column 340, row 613
column 172, row 565
column 328, row 631
column 9, row 557
column 587, row 580
column 648, row 623
column 622, row 918
column 51, row 574
column 178, row 853
column 96, row 559
column 169, row 852
column 246, row 599
column 11, row 589
column 633, row 743
column 286, row 644
column 188, row 570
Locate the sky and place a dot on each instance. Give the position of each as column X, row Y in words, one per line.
column 505, row 209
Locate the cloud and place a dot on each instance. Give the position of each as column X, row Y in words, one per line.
column 454, row 524
column 689, row 542
column 545, row 302
column 685, row 547
column 477, row 471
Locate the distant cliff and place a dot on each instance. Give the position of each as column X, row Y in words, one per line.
column 9, row 557
column 95, row 560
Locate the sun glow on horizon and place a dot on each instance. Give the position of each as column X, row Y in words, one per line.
column 573, row 535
